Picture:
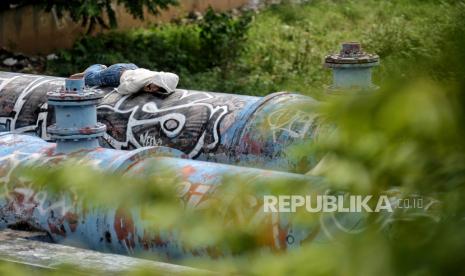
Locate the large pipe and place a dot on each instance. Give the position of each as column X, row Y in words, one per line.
column 218, row 127
column 119, row 229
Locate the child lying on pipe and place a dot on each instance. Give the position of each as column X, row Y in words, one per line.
column 129, row 79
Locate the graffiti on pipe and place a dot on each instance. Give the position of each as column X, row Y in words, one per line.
column 294, row 123
column 187, row 119
column 63, row 216
column 209, row 126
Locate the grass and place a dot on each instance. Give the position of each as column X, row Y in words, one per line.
column 285, row 45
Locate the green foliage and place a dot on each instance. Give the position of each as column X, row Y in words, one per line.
column 287, row 43
column 168, row 48
column 222, row 36
column 282, row 48
column 215, row 41
column 93, row 12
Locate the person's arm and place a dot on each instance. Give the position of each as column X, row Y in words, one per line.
column 127, row 85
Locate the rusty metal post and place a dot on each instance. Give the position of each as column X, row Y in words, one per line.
column 352, row 69
column 76, row 125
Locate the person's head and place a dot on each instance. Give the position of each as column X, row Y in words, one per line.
column 153, row 88
column 162, row 83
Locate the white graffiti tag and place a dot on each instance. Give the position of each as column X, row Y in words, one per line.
column 170, row 119
column 293, row 123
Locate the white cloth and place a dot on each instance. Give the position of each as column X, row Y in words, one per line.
column 133, row 81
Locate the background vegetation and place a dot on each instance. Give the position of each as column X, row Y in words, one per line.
column 282, row 48
column 93, row 13
column 407, row 137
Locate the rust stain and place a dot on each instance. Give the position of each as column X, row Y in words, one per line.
column 188, row 171
column 124, row 227
column 254, row 146
column 269, row 238
column 73, row 220
column 58, row 229
column 86, row 130
column 21, row 204
column 149, row 240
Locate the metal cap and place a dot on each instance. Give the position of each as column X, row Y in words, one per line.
column 351, row 53
column 74, row 85
column 74, row 92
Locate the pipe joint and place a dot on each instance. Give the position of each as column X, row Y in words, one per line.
column 76, row 125
column 352, row 69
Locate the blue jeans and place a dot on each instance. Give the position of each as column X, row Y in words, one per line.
column 98, row 75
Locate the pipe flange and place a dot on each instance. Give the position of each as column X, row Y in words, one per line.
column 67, row 96
column 76, row 137
column 351, row 54
column 86, row 131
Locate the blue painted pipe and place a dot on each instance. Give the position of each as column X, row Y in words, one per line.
column 119, row 229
